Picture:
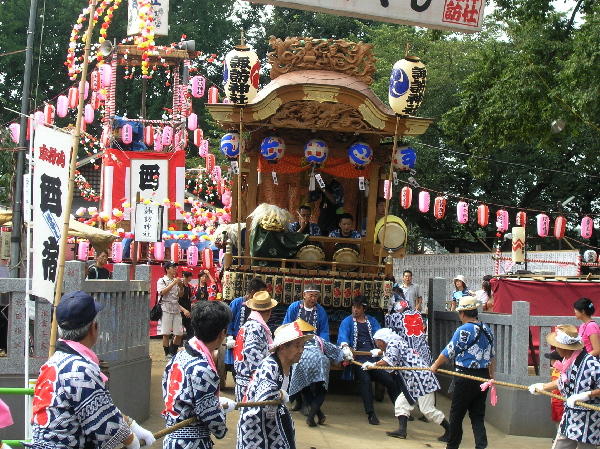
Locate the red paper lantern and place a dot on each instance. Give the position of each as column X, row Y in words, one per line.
column 198, row 136
column 149, row 135
column 95, row 81
column 95, row 101
column 521, row 219
column 406, row 197
column 560, row 225
column 439, row 207
column 210, row 162
column 207, row 258
column 483, row 215
column 49, row 114
column 213, row 95
column 175, row 253
column 73, row 97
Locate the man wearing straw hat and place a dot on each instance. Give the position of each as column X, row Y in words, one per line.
column 253, row 340
column 72, row 407
column 190, row 383
column 579, row 381
column 272, row 427
column 472, row 348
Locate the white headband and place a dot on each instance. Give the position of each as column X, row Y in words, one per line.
column 565, row 339
column 385, row 334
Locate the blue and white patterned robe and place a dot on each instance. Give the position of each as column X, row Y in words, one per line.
column 72, row 406
column 410, row 327
column 268, row 427
column 314, row 364
column 251, row 348
column 317, row 317
column 418, row 383
column 578, row 423
column 190, row 389
column 239, row 315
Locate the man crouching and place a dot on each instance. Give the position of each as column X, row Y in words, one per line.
column 191, row 384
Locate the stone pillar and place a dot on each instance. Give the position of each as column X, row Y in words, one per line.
column 142, row 272
column 520, row 340
column 75, row 273
column 437, row 294
column 121, row 272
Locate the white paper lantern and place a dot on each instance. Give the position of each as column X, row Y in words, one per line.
column 240, row 75
column 407, row 85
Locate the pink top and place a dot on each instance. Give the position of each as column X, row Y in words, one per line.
column 587, row 329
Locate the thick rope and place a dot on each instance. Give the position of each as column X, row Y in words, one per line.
column 479, row 379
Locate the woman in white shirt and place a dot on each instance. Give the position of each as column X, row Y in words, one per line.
column 484, row 296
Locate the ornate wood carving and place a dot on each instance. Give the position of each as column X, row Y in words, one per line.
column 313, row 114
column 306, row 53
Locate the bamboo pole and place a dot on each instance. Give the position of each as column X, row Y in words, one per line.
column 239, row 188
column 387, row 200
column 478, row 379
column 69, row 201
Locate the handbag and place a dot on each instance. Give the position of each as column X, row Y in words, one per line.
column 156, row 311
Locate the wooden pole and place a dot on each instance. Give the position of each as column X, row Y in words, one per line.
column 69, row 201
column 387, row 200
column 239, row 189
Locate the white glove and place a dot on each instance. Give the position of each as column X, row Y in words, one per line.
column 285, row 397
column 367, row 365
column 135, row 443
column 376, row 352
column 227, row 404
column 347, row 353
column 142, row 434
column 536, row 388
column 230, row 342
column 585, row 396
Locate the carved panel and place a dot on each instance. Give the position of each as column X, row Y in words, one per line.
column 313, row 114
column 306, row 53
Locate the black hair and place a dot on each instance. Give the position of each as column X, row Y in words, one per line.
column 255, row 285
column 585, row 305
column 488, row 277
column 485, row 285
column 380, row 199
column 345, row 215
column 360, row 300
column 202, row 273
column 305, row 207
column 102, row 251
column 470, row 313
column 169, row 265
column 407, row 271
column 209, row 318
column 186, row 274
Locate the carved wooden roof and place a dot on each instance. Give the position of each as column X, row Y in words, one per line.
column 318, row 100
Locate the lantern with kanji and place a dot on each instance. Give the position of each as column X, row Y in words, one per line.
column 240, row 74
column 560, row 225
column 483, row 215
column 96, row 80
column 462, row 212
column 404, row 158
column 316, row 151
column 407, row 85
column 203, row 148
column 117, row 252
column 167, row 136
column 543, row 225
column 197, row 86
column 272, row 148
column 587, row 227
column 210, row 162
column 197, row 136
column 49, row 111
column 127, row 134
column 192, row 256
column 405, row 197
column 175, row 252
column 502, row 220
column 521, row 218
column 230, row 145
column 424, row 201
column 360, row 154
column 439, row 207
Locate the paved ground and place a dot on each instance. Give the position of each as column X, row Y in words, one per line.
column 346, row 425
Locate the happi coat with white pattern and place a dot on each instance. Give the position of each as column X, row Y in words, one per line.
column 409, row 325
column 251, row 348
column 190, row 388
column 269, row 427
column 314, row 364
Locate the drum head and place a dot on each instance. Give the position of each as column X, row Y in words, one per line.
column 346, row 255
column 395, row 235
column 310, row 252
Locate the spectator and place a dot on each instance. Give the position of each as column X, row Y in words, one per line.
column 461, row 290
column 303, row 225
column 202, row 290
column 484, row 296
column 169, row 290
column 185, row 302
column 412, row 292
column 99, row 270
column 589, row 330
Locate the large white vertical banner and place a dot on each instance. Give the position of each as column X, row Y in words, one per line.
column 150, row 178
column 51, row 155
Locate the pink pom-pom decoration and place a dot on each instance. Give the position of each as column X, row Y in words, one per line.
column 117, row 252
column 587, row 227
column 424, row 201
column 192, row 256
column 439, row 207
column 15, row 131
column 73, row 97
column 198, row 86
column 483, row 215
column 167, row 136
column 192, row 121
column 88, row 114
column 502, row 220
column 560, row 225
column 62, row 106
column 82, row 251
column 49, row 111
column 159, row 251
column 105, row 75
column 127, row 134
column 462, row 212
column 405, row 197
column 543, row 225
